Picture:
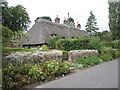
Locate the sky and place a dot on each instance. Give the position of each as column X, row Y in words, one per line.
column 79, row 10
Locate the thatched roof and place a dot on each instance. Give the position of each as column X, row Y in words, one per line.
column 42, row 29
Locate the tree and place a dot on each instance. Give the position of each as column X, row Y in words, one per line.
column 114, row 19
column 105, row 36
column 71, row 21
column 44, row 17
column 6, row 35
column 91, row 25
column 15, row 18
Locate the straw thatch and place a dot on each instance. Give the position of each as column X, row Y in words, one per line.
column 42, row 30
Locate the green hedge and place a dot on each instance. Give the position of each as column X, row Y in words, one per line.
column 77, row 44
column 113, row 44
column 16, row 77
column 52, row 42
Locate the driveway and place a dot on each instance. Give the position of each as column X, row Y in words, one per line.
column 100, row 76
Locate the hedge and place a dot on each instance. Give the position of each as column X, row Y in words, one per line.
column 78, row 44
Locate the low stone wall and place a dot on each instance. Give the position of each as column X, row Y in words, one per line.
column 31, row 58
column 77, row 54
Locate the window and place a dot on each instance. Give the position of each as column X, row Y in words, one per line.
column 62, row 37
column 52, row 35
column 72, row 37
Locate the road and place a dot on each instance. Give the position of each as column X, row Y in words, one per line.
column 100, row 76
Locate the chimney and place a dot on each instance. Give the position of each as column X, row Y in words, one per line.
column 57, row 20
column 78, row 25
column 65, row 21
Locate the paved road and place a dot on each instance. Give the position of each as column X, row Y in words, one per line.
column 101, row 76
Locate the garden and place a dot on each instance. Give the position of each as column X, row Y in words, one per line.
column 23, row 75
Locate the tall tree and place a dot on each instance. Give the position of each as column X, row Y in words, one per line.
column 44, row 17
column 15, row 18
column 114, row 19
column 91, row 25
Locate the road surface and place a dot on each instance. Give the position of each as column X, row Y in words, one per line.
column 100, row 76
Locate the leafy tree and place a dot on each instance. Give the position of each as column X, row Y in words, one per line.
column 6, row 35
column 71, row 21
column 114, row 19
column 91, row 25
column 15, row 18
column 17, row 35
column 105, row 36
column 44, row 17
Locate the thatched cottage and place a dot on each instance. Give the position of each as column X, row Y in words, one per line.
column 43, row 30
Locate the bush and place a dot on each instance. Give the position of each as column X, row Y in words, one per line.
column 52, row 42
column 110, row 51
column 78, row 44
column 106, row 57
column 87, row 62
column 16, row 77
column 44, row 48
column 113, row 44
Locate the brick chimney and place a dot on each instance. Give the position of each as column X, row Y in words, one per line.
column 57, row 20
column 78, row 25
column 65, row 21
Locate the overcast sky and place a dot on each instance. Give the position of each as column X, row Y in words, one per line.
column 79, row 10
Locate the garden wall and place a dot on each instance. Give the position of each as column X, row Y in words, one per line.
column 36, row 57
column 31, row 58
column 77, row 54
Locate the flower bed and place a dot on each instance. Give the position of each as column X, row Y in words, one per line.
column 16, row 77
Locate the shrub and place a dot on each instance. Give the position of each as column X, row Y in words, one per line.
column 52, row 42
column 87, row 62
column 78, row 44
column 109, row 50
column 44, row 48
column 16, row 77
column 106, row 57
column 113, row 44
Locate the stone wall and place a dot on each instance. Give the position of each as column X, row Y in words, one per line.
column 31, row 58
column 77, row 54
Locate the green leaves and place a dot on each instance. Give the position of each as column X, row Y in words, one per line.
column 15, row 76
column 15, row 18
column 114, row 19
column 91, row 25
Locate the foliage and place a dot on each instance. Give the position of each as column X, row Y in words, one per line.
column 15, row 77
column 15, row 18
column 6, row 35
column 52, row 42
column 114, row 19
column 91, row 25
column 17, row 35
column 110, row 51
column 78, row 44
column 87, row 62
column 104, row 36
column 71, row 21
column 114, row 44
column 106, row 57
column 44, row 48
column 44, row 17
